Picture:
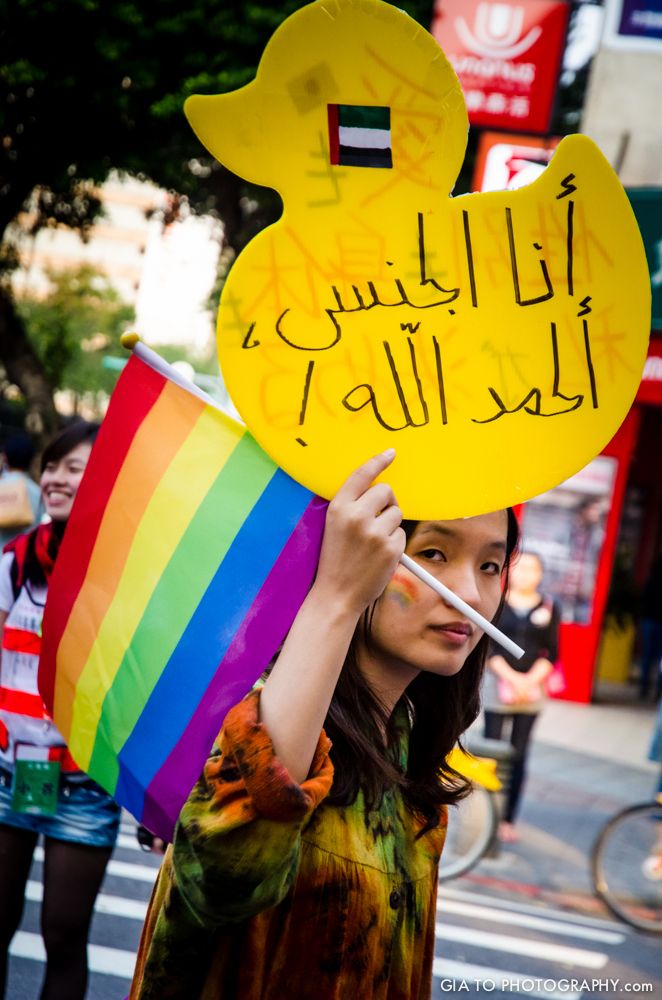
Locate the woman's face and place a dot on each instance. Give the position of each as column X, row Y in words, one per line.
column 60, row 481
column 414, row 629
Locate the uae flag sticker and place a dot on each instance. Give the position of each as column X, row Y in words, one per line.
column 360, row 136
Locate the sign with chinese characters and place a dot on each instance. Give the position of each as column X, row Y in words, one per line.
column 495, row 340
column 36, row 786
column 506, row 162
column 507, row 57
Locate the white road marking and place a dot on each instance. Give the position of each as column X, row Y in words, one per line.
column 120, row 869
column 129, row 842
column 106, row 961
column 116, row 906
column 506, row 904
column 478, row 912
column 518, row 946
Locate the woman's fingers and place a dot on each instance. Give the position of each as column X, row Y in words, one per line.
column 390, row 519
column 362, row 538
column 376, row 499
column 362, row 478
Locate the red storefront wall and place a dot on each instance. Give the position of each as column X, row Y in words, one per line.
column 579, row 643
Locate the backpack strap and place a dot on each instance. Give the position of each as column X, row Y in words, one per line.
column 19, row 548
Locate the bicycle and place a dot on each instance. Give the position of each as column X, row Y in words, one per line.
column 626, row 865
column 473, row 823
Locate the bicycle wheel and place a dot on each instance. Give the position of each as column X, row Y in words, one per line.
column 472, row 827
column 625, row 866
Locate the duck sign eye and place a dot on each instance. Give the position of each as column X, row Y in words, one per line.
column 359, row 136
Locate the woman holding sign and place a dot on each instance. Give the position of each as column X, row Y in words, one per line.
column 41, row 789
column 305, row 860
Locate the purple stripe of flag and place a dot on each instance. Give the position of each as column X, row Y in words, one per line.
column 257, row 640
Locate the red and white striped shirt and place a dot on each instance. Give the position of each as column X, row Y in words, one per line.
column 23, row 717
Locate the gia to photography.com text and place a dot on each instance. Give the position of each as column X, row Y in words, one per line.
column 536, row 987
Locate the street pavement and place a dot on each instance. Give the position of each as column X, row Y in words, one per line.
column 521, row 909
column 118, row 919
column 585, row 763
column 496, row 947
column 526, row 918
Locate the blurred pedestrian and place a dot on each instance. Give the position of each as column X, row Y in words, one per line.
column 652, row 867
column 42, row 792
column 650, row 633
column 22, row 507
column 585, row 538
column 655, row 749
column 514, row 690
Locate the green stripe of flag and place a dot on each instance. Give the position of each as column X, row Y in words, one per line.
column 236, row 489
column 358, row 116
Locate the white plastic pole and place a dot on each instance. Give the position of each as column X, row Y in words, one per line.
column 463, row 607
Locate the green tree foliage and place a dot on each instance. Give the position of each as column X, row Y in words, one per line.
column 73, row 328
column 87, row 86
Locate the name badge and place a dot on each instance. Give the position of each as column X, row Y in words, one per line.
column 36, row 785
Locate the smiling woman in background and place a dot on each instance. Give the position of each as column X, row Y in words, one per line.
column 41, row 789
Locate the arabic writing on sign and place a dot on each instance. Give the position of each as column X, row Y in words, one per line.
column 393, row 406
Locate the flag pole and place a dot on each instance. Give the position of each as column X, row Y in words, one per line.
column 132, row 342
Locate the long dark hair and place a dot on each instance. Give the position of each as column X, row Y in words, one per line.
column 366, row 738
column 79, row 432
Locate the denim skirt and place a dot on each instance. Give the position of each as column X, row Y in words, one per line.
column 85, row 814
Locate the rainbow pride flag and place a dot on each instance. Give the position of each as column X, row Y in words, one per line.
column 186, row 558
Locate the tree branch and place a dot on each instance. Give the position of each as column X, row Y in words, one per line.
column 24, row 369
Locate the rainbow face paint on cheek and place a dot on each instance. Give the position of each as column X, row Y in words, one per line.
column 402, row 589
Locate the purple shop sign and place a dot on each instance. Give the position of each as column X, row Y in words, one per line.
column 640, row 19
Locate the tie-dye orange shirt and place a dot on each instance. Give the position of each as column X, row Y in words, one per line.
column 269, row 893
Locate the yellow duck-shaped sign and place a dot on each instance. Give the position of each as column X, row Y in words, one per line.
column 495, row 340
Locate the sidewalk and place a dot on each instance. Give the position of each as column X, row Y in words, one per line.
column 585, row 763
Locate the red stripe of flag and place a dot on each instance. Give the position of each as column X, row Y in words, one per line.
column 334, row 135
column 136, row 392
